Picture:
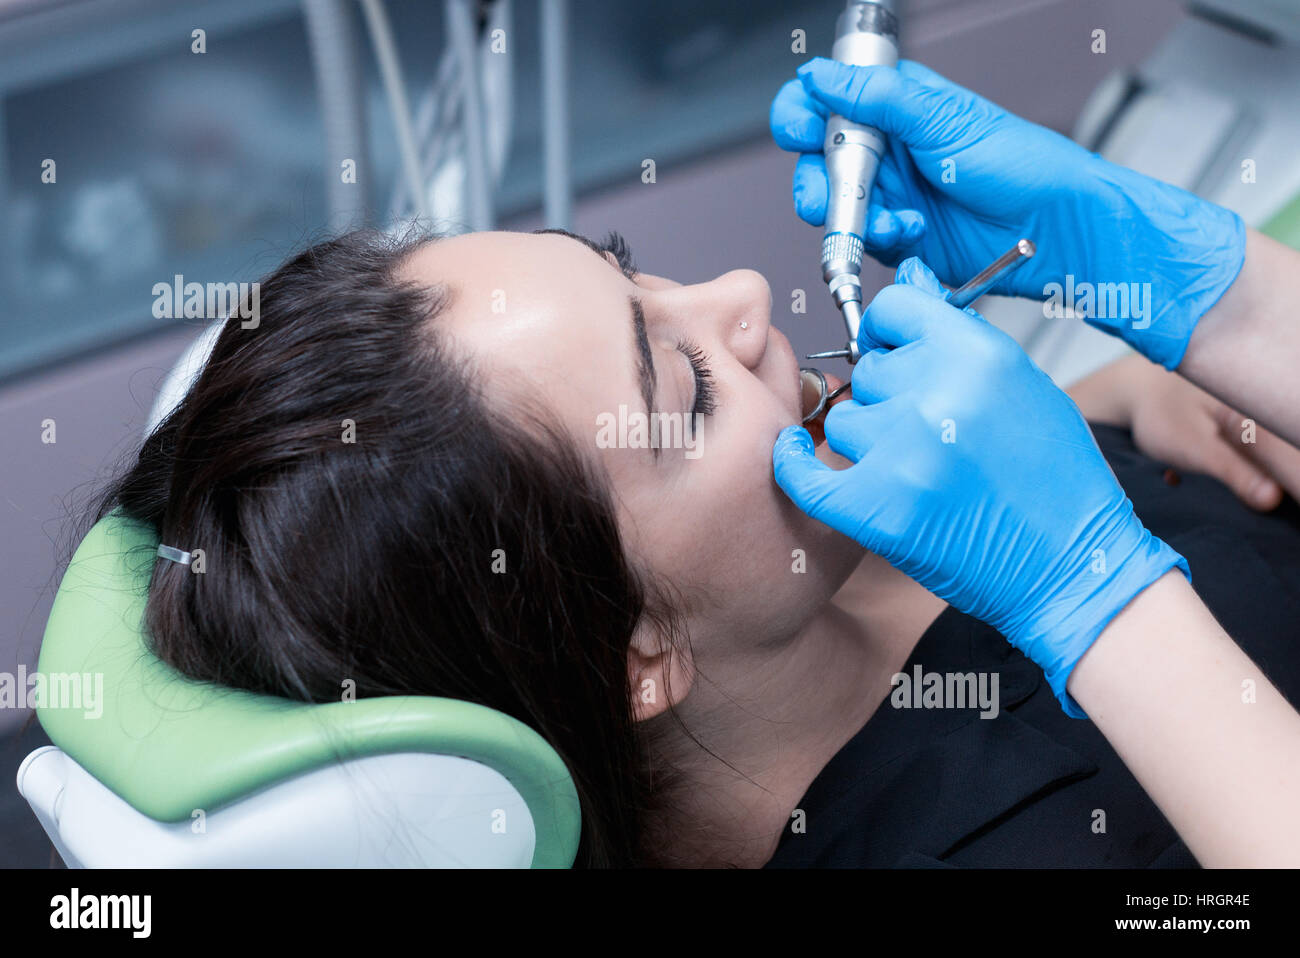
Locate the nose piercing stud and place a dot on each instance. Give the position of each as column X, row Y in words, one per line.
column 744, row 325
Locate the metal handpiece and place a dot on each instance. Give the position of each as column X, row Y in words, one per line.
column 866, row 34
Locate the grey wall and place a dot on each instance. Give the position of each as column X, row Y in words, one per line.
column 698, row 220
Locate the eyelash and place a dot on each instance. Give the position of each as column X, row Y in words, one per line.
column 705, row 395
column 617, row 246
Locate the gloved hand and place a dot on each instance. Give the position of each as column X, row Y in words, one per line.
column 975, row 475
column 963, row 180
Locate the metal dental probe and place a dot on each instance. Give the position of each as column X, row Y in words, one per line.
column 961, row 297
column 866, row 34
column 982, row 282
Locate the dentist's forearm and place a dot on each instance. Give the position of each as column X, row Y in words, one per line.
column 1246, row 349
column 1173, row 694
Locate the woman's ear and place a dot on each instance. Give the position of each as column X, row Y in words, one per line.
column 659, row 674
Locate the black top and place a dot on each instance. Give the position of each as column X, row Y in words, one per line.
column 942, row 787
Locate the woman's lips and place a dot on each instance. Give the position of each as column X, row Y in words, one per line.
column 814, row 428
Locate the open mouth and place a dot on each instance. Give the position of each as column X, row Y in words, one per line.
column 810, row 394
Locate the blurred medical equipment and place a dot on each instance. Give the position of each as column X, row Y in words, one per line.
column 442, row 184
column 866, row 33
column 178, row 773
column 454, row 149
column 815, row 397
column 339, row 84
column 440, row 181
column 454, row 146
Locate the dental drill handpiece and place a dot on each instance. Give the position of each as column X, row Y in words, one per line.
column 866, row 34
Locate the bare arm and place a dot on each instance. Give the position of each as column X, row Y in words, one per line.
column 1246, row 349
column 1181, row 425
column 1173, row 694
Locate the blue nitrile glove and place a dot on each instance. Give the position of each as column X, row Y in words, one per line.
column 975, row 475
column 977, row 179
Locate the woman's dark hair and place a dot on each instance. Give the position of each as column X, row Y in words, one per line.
column 351, row 491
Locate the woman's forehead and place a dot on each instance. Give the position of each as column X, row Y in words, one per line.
column 493, row 256
column 540, row 316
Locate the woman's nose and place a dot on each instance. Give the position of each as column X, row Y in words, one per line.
column 736, row 311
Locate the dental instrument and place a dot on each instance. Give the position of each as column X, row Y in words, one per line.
column 961, row 297
column 866, row 34
column 983, row 281
column 813, row 385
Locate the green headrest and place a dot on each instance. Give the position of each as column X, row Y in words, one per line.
column 1284, row 225
column 168, row 745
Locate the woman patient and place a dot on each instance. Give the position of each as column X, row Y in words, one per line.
column 397, row 481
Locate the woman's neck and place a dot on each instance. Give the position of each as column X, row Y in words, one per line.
column 774, row 720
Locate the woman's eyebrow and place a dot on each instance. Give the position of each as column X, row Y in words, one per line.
column 585, row 241
column 645, row 364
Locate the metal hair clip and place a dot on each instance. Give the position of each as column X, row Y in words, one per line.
column 174, row 554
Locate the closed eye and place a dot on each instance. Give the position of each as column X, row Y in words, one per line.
column 706, row 400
